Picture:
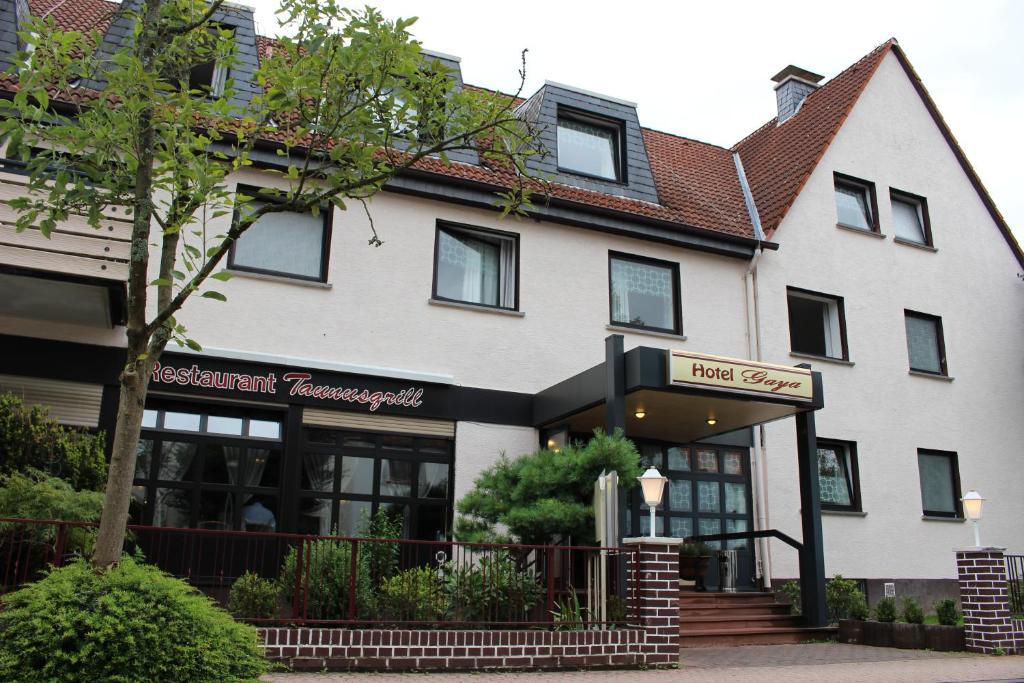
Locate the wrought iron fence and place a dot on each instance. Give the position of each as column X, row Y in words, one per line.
column 334, row 580
column 1015, row 584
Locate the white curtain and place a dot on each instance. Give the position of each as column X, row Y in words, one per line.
column 508, row 274
column 473, row 270
column 320, row 473
column 285, row 242
column 620, row 292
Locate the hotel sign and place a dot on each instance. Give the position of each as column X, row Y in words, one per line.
column 687, row 369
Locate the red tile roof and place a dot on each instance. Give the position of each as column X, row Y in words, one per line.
column 76, row 15
column 778, row 160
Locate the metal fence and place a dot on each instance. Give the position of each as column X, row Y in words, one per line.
column 1015, row 584
column 334, row 580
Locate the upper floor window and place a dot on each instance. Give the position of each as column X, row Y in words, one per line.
column 816, row 324
column 210, row 77
column 925, row 345
column 940, row 482
column 476, row 266
column 856, row 206
column 287, row 243
column 910, row 218
column 644, row 293
column 838, row 478
column 590, row 146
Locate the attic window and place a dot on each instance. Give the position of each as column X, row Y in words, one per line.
column 589, row 146
column 211, row 76
column 856, row 206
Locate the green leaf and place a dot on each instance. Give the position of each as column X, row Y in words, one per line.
column 210, row 294
column 160, row 282
column 223, row 275
column 193, row 344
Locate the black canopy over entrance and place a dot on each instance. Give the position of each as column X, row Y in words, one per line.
column 687, row 397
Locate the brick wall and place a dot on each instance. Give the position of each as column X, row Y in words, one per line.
column 653, row 593
column 985, row 600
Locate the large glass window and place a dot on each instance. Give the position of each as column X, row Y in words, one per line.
column 925, row 345
column 589, row 146
column 208, row 468
column 476, row 267
column 855, row 204
column 910, row 218
column 838, row 479
column 940, row 483
column 349, row 476
column 644, row 293
column 287, row 243
column 816, row 325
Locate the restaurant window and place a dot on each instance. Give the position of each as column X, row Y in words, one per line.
column 285, row 243
column 910, row 218
column 940, row 483
column 856, row 204
column 476, row 266
column 838, row 476
column 816, row 324
column 208, row 468
column 925, row 345
column 644, row 293
column 348, row 477
column 590, row 146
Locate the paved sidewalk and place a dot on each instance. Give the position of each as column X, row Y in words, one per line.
column 810, row 663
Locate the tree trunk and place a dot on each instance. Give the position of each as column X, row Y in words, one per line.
column 117, row 497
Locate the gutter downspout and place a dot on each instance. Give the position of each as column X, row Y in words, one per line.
column 760, row 474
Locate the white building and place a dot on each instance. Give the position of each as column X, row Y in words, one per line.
column 830, row 238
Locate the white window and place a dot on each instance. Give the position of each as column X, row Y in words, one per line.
column 589, row 146
column 855, row 202
column 816, row 324
column 910, row 218
column 644, row 293
column 287, row 243
column 838, row 485
column 476, row 267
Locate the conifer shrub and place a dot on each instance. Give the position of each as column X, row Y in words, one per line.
column 885, row 610
column 129, row 623
column 912, row 612
column 946, row 612
column 253, row 597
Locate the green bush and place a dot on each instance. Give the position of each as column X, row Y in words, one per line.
column 859, row 607
column 885, row 610
column 37, row 495
column 131, row 623
column 30, row 438
column 253, row 597
column 840, row 596
column 568, row 613
column 492, row 589
column 791, row 591
column 947, row 612
column 912, row 612
column 416, row 594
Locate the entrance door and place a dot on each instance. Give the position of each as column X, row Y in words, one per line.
column 708, row 492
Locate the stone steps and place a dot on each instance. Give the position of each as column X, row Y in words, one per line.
column 726, row 619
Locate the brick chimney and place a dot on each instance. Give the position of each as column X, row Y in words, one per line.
column 794, row 85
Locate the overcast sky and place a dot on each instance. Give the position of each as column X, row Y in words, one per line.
column 703, row 70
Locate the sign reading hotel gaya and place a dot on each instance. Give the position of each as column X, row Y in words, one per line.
column 716, row 372
column 290, row 384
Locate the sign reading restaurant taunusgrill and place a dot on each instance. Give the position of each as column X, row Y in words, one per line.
column 716, row 372
column 291, row 384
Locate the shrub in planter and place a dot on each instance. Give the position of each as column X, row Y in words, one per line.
column 493, row 589
column 912, row 612
column 885, row 610
column 840, row 596
column 947, row 612
column 253, row 597
column 859, row 607
column 791, row 591
column 416, row 594
column 327, row 564
column 131, row 623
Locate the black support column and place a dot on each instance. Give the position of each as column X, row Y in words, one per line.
column 615, row 384
column 812, row 558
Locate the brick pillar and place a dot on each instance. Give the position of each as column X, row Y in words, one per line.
column 653, row 590
column 985, row 600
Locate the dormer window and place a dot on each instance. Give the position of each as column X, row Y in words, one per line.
column 589, row 146
column 208, row 77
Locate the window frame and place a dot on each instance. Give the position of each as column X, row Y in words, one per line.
column 954, row 471
column 619, row 148
column 327, row 218
column 677, row 314
column 808, row 294
column 485, row 232
column 850, row 450
column 940, row 342
column 922, row 207
column 850, row 182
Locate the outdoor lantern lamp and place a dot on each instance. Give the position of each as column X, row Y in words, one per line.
column 973, row 504
column 640, row 413
column 653, row 485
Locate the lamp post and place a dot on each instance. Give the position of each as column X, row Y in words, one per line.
column 653, row 485
column 973, row 504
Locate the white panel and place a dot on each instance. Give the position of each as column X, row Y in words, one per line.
column 73, row 403
column 378, row 423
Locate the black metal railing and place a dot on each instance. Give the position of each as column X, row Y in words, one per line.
column 1015, row 584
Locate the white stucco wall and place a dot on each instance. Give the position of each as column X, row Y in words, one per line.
column 478, row 446
column 971, row 282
